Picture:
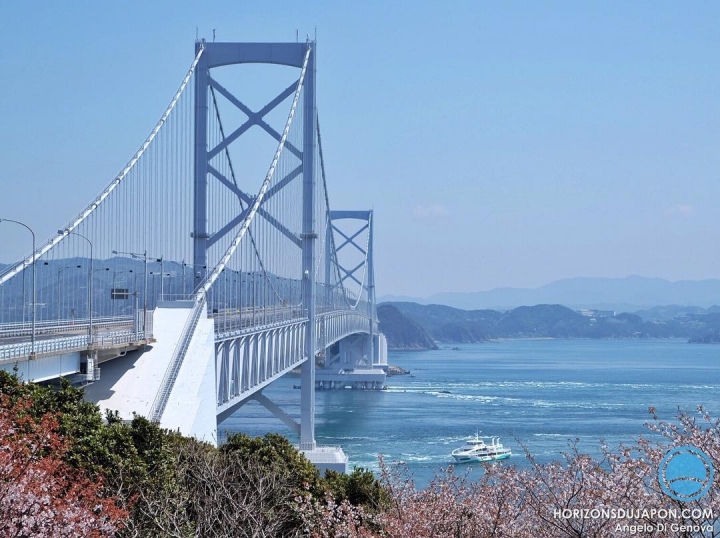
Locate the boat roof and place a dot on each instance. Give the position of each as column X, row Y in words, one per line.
column 482, row 439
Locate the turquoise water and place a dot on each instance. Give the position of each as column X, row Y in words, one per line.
column 540, row 393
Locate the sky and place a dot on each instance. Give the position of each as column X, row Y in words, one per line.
column 500, row 144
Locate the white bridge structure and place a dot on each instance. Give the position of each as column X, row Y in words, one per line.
column 192, row 285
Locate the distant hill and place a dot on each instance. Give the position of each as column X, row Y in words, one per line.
column 668, row 312
column 401, row 332
column 448, row 324
column 621, row 294
column 453, row 325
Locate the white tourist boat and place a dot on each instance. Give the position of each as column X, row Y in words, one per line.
column 481, row 449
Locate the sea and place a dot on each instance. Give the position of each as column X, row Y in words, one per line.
column 539, row 396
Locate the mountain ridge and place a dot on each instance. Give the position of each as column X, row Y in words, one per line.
column 453, row 325
column 625, row 294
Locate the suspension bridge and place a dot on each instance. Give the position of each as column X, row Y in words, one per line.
column 188, row 285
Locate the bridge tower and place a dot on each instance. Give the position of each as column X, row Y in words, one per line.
column 217, row 55
column 267, row 291
column 358, row 361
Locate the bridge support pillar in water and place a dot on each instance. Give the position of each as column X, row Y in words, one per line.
column 348, row 364
column 323, row 457
column 328, row 457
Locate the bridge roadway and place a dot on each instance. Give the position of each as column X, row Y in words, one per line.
column 253, row 331
column 68, row 336
column 71, row 335
column 228, row 361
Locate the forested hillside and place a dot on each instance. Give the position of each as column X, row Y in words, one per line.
column 453, row 325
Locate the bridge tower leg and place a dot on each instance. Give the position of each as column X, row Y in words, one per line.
column 200, row 221
column 216, row 55
column 371, row 291
column 309, row 237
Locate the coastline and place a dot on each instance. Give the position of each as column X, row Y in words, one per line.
column 394, row 370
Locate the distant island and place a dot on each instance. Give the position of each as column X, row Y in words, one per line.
column 628, row 294
column 413, row 326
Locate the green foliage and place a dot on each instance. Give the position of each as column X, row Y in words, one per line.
column 180, row 486
column 131, row 454
column 127, row 457
column 79, row 420
column 359, row 488
column 275, row 453
column 447, row 324
column 153, row 446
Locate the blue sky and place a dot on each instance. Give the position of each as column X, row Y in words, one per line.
column 500, row 144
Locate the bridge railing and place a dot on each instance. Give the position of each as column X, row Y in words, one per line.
column 331, row 322
column 257, row 329
column 61, row 326
column 172, row 297
column 238, row 319
column 21, row 351
column 334, row 325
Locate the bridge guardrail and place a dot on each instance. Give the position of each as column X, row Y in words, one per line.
column 255, row 329
column 245, row 318
column 68, row 343
column 172, row 297
column 59, row 326
column 333, row 325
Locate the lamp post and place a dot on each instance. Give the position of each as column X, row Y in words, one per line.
column 60, row 270
column 102, row 302
column 143, row 257
column 170, row 275
column 136, row 294
column 112, row 292
column 183, row 267
column 154, row 286
column 116, row 273
column 90, row 281
column 162, row 276
column 23, row 301
column 32, row 337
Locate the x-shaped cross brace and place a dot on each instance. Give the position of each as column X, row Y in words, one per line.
column 350, row 240
column 254, row 118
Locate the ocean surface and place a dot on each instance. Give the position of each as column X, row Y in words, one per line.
column 537, row 393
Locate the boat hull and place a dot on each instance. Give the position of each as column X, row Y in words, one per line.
column 482, row 459
column 480, row 450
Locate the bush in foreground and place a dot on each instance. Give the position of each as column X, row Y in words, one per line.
column 66, row 472
column 40, row 493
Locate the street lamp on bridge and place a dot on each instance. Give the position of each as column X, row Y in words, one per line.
column 60, row 270
column 162, row 278
column 143, row 257
column 32, row 338
column 113, row 292
column 90, row 281
column 162, row 294
column 182, row 265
